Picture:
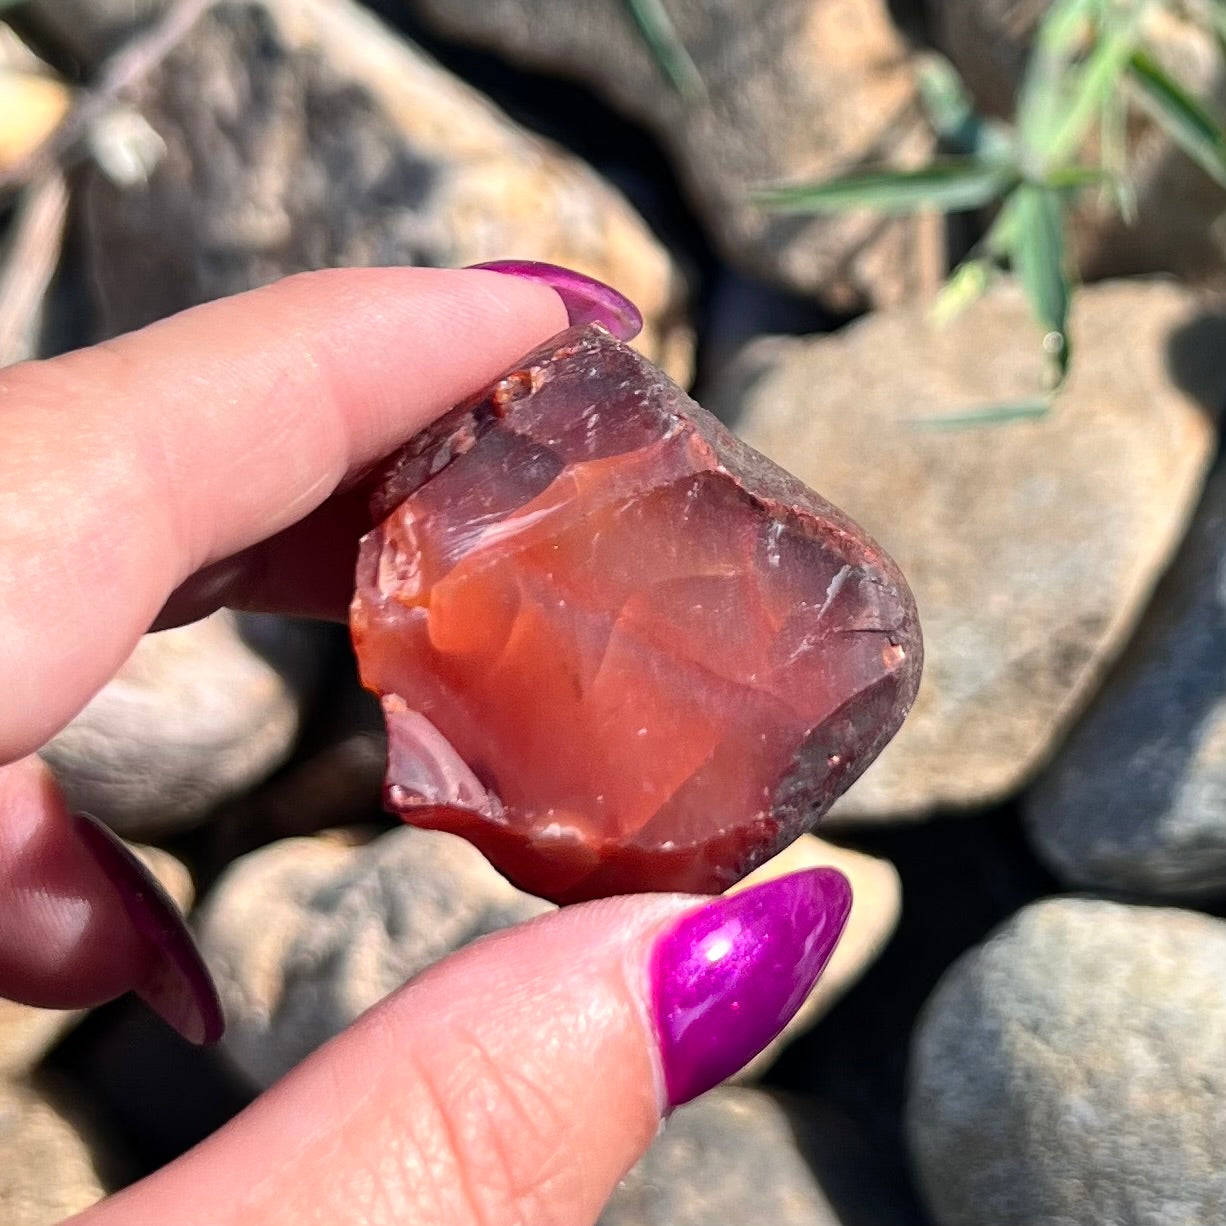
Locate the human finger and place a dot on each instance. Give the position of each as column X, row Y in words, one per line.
column 518, row 1080
column 82, row 920
column 130, row 466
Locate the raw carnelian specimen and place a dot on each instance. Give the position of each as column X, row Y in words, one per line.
column 618, row 649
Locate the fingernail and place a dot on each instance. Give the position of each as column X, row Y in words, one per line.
column 179, row 988
column 586, row 299
column 730, row 976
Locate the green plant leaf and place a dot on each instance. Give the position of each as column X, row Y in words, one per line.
column 998, row 241
column 1113, row 143
column 985, row 415
column 945, row 97
column 950, row 186
column 952, row 114
column 1095, row 82
column 1217, row 18
column 1058, row 39
column 1063, row 98
column 966, row 285
column 1037, row 254
column 658, row 32
column 1074, row 178
column 1185, row 120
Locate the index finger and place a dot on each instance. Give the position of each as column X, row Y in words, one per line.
column 127, row 467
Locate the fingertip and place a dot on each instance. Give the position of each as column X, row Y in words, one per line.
column 519, row 1079
column 727, row 978
column 176, row 984
column 65, row 940
column 586, row 299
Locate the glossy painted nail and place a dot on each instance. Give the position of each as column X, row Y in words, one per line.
column 586, row 299
column 178, row 988
column 730, row 976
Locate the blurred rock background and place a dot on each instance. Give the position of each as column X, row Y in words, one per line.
column 1026, row 1022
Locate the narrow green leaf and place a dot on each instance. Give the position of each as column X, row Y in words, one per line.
column 658, row 32
column 952, row 114
column 949, row 186
column 1074, row 178
column 1113, row 143
column 1185, row 120
column 1058, row 41
column 1061, row 33
column 1092, row 86
column 966, row 285
column 1037, row 253
column 945, row 97
column 1217, row 18
column 1001, row 235
column 1063, row 95
column 985, row 415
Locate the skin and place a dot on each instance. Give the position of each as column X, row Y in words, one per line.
column 211, row 460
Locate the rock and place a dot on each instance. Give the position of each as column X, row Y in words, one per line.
column 49, row 1163
column 171, row 872
column 876, row 904
column 334, row 780
column 790, row 91
column 91, row 30
column 32, row 101
column 302, row 134
column 306, row 934
column 1031, row 545
column 712, row 652
column 1070, row 1070
column 27, row 1033
column 197, row 715
column 1177, row 204
column 1136, row 800
column 741, row 1157
column 338, row 784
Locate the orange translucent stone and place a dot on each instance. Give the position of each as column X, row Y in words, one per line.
column 617, row 649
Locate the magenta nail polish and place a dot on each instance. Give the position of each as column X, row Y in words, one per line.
column 179, row 988
column 729, row 977
column 586, row 299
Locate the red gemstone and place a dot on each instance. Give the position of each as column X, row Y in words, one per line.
column 618, row 649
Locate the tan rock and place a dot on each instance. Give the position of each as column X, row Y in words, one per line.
column 31, row 107
column 196, row 715
column 747, row 1157
column 48, row 1166
column 174, row 875
column 1031, row 545
column 306, row 934
column 1069, row 1070
column 27, row 1033
column 33, row 101
column 876, row 905
column 791, row 91
column 91, row 30
column 303, row 134
column 1132, row 804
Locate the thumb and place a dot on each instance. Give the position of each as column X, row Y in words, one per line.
column 518, row 1080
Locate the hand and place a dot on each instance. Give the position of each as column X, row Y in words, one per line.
column 211, row 459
